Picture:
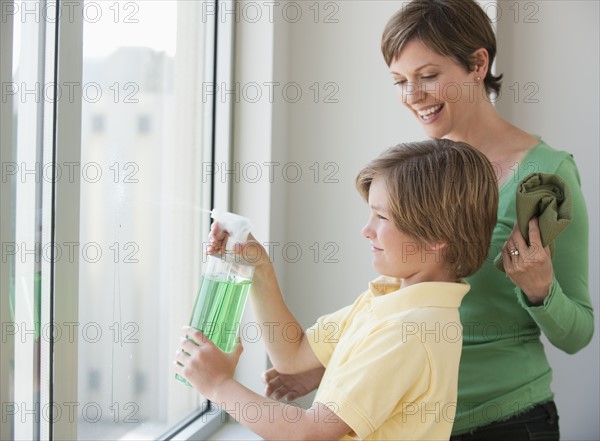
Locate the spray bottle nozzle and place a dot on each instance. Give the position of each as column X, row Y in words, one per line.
column 238, row 227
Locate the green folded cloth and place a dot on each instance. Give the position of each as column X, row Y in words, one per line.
column 547, row 197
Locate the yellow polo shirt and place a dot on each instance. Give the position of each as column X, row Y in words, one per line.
column 392, row 360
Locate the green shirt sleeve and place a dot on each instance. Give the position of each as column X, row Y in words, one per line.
column 566, row 316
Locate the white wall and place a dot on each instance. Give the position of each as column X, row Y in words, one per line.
column 559, row 54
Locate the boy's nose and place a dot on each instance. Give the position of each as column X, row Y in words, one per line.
column 367, row 231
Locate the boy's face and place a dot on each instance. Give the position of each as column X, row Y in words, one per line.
column 395, row 253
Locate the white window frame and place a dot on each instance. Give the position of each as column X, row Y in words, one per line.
column 61, row 141
column 7, row 191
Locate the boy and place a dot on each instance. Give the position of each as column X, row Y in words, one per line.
column 392, row 357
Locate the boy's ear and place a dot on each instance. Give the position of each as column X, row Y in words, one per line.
column 437, row 246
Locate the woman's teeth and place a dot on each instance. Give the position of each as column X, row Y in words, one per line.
column 427, row 113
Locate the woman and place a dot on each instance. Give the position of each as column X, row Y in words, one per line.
column 440, row 53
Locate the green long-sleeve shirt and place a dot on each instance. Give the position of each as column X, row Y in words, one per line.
column 503, row 367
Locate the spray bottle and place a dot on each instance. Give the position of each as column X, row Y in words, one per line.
column 223, row 292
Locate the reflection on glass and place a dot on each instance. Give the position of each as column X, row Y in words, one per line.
column 25, row 252
column 141, row 219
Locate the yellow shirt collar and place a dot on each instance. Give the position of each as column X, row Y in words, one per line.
column 387, row 295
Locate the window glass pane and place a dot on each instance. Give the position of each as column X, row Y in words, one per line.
column 24, row 254
column 142, row 221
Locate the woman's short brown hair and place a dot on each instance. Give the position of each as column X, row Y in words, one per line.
column 451, row 28
column 440, row 191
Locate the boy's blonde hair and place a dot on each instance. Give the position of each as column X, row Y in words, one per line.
column 440, row 191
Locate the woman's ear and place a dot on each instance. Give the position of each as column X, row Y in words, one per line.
column 481, row 62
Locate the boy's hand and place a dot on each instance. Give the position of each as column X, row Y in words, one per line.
column 203, row 364
column 251, row 251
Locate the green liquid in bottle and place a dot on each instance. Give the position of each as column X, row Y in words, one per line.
column 217, row 312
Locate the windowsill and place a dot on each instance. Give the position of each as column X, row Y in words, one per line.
column 215, row 425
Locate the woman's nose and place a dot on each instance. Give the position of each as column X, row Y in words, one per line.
column 412, row 93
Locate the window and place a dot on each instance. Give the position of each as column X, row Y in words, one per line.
column 141, row 216
column 102, row 235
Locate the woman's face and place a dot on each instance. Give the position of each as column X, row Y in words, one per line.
column 438, row 90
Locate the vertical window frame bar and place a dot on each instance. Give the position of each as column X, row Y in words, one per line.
column 225, row 19
column 7, row 199
column 63, row 143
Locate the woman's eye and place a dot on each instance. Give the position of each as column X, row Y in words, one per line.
column 428, row 77
column 379, row 216
column 399, row 82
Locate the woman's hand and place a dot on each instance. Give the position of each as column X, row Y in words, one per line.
column 290, row 387
column 251, row 251
column 203, row 364
column 529, row 266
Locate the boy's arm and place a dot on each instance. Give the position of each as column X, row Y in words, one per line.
column 278, row 421
column 283, row 336
column 210, row 371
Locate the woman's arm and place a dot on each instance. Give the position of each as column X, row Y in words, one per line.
column 564, row 313
column 291, row 386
